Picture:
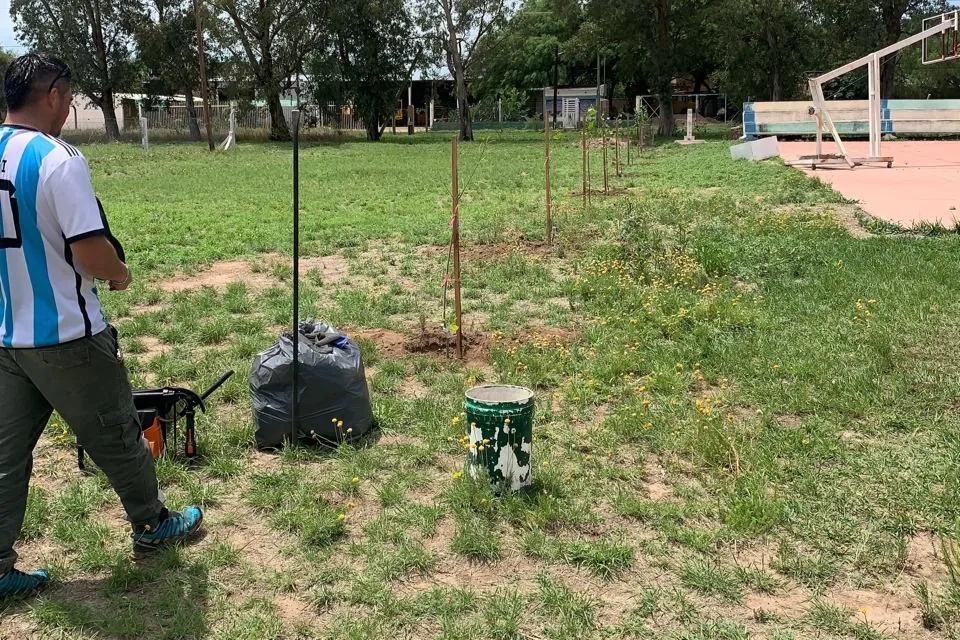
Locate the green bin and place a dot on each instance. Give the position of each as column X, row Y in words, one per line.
column 500, row 431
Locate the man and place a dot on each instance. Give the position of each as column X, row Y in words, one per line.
column 57, row 351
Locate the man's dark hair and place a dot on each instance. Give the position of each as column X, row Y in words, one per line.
column 30, row 75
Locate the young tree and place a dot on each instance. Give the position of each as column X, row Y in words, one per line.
column 167, row 42
column 94, row 37
column 270, row 40
column 368, row 58
column 455, row 29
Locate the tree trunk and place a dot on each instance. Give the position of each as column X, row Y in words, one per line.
column 892, row 12
column 110, row 125
column 463, row 107
column 372, row 124
column 888, row 77
column 668, row 123
column 776, row 91
column 192, row 116
column 278, row 123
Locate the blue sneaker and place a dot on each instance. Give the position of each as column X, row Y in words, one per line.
column 173, row 527
column 19, row 583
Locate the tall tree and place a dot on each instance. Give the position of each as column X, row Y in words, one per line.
column 455, row 29
column 270, row 40
column 655, row 40
column 167, row 42
column 368, row 58
column 522, row 54
column 94, row 37
column 765, row 47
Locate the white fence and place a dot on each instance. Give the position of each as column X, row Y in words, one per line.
column 176, row 118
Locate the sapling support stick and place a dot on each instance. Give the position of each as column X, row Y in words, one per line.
column 546, row 162
column 455, row 227
column 603, row 142
column 616, row 149
column 295, row 408
column 583, row 146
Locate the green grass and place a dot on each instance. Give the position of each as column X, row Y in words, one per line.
column 722, row 374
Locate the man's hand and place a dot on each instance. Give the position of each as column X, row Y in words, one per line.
column 122, row 285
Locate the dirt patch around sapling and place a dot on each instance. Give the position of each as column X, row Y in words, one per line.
column 258, row 273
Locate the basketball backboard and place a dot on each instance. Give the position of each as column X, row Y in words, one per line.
column 946, row 44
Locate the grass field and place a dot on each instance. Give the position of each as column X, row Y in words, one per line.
column 746, row 426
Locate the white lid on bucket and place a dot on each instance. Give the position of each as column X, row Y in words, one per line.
column 500, row 394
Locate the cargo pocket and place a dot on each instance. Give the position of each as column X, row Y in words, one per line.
column 66, row 356
column 121, row 425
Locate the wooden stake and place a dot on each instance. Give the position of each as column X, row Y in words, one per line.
column 204, row 89
column 589, row 176
column 455, row 224
column 546, row 156
column 583, row 146
column 628, row 148
column 616, row 149
column 604, row 144
column 639, row 138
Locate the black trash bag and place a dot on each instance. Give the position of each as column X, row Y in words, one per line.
column 334, row 399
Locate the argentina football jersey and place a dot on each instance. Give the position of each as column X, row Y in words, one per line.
column 46, row 203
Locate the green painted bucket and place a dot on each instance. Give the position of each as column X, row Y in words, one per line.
column 500, row 429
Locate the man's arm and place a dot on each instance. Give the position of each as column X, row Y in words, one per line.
column 96, row 256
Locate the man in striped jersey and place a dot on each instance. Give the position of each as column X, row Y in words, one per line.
column 57, row 351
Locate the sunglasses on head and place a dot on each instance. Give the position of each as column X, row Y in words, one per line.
column 63, row 75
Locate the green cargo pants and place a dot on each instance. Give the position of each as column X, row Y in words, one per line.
column 86, row 382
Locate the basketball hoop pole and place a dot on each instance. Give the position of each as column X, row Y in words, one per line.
column 872, row 62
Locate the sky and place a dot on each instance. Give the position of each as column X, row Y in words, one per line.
column 7, row 39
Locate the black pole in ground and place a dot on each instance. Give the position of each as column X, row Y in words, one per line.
column 295, row 417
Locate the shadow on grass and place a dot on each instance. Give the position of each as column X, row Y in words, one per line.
column 163, row 596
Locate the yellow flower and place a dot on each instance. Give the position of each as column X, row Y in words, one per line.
column 334, row 421
column 350, row 430
column 862, row 610
column 355, row 480
column 506, row 421
column 646, row 403
column 455, row 420
column 339, row 424
column 342, row 517
column 350, row 505
column 457, row 475
column 480, row 448
column 486, row 441
column 473, row 445
column 546, row 463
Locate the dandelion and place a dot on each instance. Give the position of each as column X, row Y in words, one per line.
column 863, row 611
column 546, row 463
column 480, row 448
column 455, row 420
column 646, row 403
column 334, row 421
column 339, row 424
column 350, row 430
column 506, row 421
column 355, row 480
column 350, row 505
column 473, row 445
column 457, row 475
column 486, row 441
column 342, row 517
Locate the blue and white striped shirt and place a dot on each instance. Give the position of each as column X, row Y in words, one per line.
column 46, row 203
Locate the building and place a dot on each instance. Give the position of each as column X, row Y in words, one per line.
column 573, row 104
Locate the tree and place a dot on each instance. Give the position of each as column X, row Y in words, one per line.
column 94, row 37
column 521, row 55
column 167, row 43
column 455, row 29
column 852, row 30
column 5, row 59
column 270, row 41
column 655, row 39
column 764, row 47
column 368, row 58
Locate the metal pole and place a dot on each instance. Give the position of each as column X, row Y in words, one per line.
column 604, row 143
column 455, row 182
column 295, row 409
column 204, row 89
